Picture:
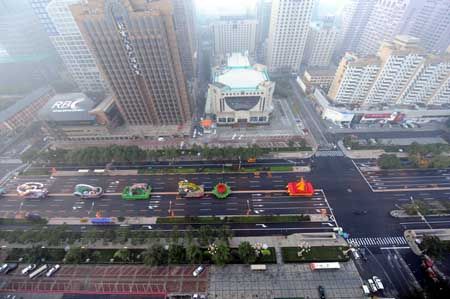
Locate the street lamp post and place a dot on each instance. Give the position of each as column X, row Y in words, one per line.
column 418, row 212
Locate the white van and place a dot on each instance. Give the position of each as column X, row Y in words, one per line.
column 366, row 289
column 258, row 267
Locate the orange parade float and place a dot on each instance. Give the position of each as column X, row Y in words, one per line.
column 301, row 188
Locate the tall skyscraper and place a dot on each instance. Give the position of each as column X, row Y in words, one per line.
column 234, row 34
column 135, row 45
column 21, row 33
column 40, row 9
column 71, row 47
column 289, row 24
column 321, row 44
column 429, row 20
column 263, row 9
column 354, row 20
column 184, row 18
column 385, row 23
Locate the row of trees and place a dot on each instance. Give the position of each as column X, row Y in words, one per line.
column 157, row 254
column 118, row 153
column 61, row 236
column 419, row 156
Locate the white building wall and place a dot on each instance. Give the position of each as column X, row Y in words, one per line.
column 72, row 48
column 288, row 33
column 234, row 36
column 322, row 41
column 442, row 95
column 427, row 80
column 393, row 78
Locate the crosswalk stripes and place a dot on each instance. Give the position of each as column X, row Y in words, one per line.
column 329, row 154
column 377, row 241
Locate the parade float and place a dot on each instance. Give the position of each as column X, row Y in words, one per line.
column 137, row 191
column 87, row 191
column 189, row 189
column 221, row 190
column 300, row 188
column 32, row 190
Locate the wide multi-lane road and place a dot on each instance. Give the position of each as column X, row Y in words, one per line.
column 61, row 203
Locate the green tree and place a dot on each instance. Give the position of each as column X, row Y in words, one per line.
column 37, row 254
column 222, row 255
column 155, row 255
column 247, row 253
column 205, row 235
column 194, row 254
column 389, row 162
column 434, row 247
column 76, row 255
column 225, row 233
column 122, row 255
column 176, row 254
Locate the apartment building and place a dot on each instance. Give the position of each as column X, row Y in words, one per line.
column 353, row 79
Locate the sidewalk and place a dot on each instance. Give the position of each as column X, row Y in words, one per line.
column 85, row 221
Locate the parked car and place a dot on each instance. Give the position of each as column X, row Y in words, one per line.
column 378, row 283
column 321, row 290
column 11, row 267
column 3, row 267
column 198, row 271
column 52, row 270
column 372, row 285
column 28, row 269
column 366, row 289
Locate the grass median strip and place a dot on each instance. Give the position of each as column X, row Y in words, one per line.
column 315, row 254
column 235, row 219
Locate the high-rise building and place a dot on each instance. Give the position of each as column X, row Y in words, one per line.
column 385, row 23
column 71, row 47
column 40, row 9
column 263, row 9
column 234, row 34
column 21, row 33
column 403, row 74
column 354, row 20
column 135, row 44
column 400, row 59
column 289, row 24
column 353, row 79
column 429, row 20
column 321, row 44
column 184, row 18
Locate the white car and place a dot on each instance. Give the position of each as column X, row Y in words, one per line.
column 52, row 270
column 372, row 285
column 378, row 283
column 28, row 269
column 3, row 267
column 198, row 271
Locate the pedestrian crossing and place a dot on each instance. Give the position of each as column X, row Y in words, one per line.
column 377, row 241
column 329, row 154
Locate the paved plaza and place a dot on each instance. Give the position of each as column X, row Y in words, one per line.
column 284, row 281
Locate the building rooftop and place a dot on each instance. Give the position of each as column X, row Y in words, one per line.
column 68, row 107
column 239, row 74
column 24, row 102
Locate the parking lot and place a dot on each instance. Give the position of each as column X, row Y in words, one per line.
column 98, row 279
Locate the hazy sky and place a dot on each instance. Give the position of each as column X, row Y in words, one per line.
column 227, row 7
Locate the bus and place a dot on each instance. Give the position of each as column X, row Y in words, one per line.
column 38, row 271
column 324, row 266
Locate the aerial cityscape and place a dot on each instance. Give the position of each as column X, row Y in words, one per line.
column 265, row 149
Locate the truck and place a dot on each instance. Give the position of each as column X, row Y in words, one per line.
column 139, row 191
column 38, row 271
column 87, row 191
column 189, row 189
column 2, row 191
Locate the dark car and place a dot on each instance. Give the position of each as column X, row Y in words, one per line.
column 360, row 212
column 11, row 267
column 321, row 292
